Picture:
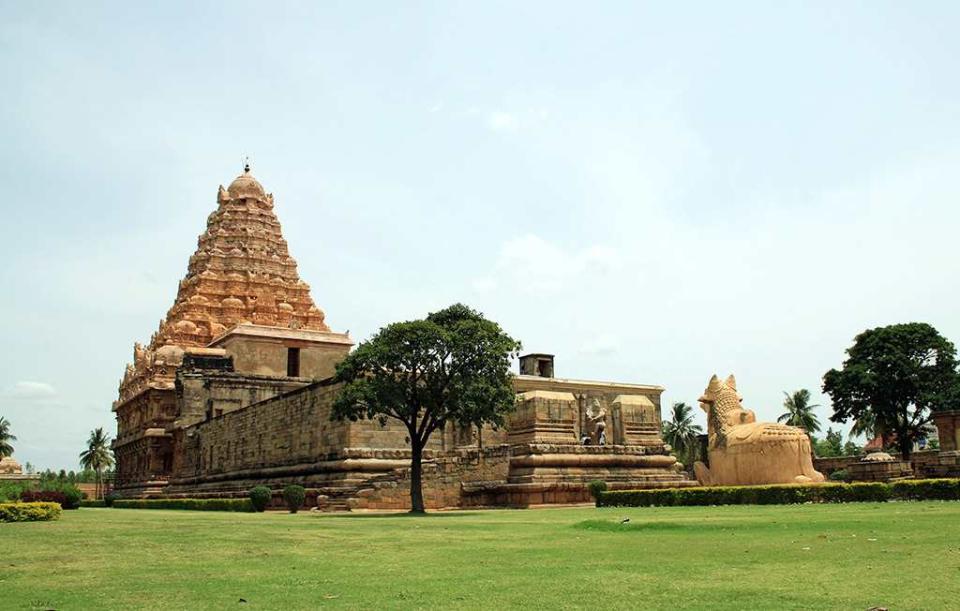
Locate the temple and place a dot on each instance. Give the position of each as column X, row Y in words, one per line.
column 235, row 388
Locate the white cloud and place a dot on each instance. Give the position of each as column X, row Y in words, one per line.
column 601, row 345
column 31, row 391
column 502, row 121
column 531, row 263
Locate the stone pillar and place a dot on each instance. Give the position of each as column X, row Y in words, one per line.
column 948, row 429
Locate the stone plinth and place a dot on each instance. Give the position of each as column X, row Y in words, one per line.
column 559, row 473
column 879, row 467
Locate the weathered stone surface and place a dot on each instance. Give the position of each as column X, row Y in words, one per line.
column 241, row 296
column 742, row 451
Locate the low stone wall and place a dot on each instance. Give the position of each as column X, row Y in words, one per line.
column 834, row 463
column 924, row 463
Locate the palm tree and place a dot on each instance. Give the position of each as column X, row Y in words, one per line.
column 865, row 425
column 97, row 456
column 5, row 438
column 799, row 411
column 680, row 431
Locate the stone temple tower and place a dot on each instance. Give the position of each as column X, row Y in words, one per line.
column 241, row 297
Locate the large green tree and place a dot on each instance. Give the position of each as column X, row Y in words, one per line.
column 800, row 411
column 897, row 375
column 681, row 432
column 829, row 446
column 453, row 366
column 5, row 438
column 97, row 456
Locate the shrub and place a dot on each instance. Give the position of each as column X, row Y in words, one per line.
column 44, row 496
column 11, row 491
column 294, row 495
column 780, row 494
column 260, row 497
column 927, row 489
column 840, row 475
column 596, row 487
column 92, row 503
column 240, row 505
column 67, row 495
column 110, row 498
column 29, row 512
column 72, row 497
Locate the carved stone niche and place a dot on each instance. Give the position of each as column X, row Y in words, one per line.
column 635, row 420
column 544, row 417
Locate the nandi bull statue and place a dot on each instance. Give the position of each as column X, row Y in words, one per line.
column 742, row 451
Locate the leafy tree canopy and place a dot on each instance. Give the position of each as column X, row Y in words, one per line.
column 453, row 366
column 895, row 376
column 830, row 445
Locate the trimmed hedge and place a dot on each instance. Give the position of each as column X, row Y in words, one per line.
column 294, row 496
column 29, row 512
column 86, row 503
column 260, row 497
column 927, row 489
column 239, row 505
column 784, row 494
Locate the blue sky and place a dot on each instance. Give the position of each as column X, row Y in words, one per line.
column 653, row 192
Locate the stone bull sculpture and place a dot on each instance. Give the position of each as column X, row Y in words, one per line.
column 742, row 451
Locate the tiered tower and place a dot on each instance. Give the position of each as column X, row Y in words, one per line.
column 240, row 273
column 241, row 286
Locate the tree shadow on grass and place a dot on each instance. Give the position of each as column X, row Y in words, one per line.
column 396, row 515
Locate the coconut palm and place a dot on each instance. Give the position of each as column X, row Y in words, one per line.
column 5, row 438
column 799, row 411
column 97, row 456
column 865, row 425
column 681, row 432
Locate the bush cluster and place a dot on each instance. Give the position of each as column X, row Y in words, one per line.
column 29, row 512
column 260, row 497
column 239, row 505
column 784, row 494
column 11, row 491
column 840, row 475
column 596, row 487
column 68, row 498
column 294, row 495
column 92, row 503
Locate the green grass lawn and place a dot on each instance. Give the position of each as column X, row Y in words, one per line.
column 856, row 556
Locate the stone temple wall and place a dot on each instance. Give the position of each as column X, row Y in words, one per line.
column 288, row 430
column 291, row 439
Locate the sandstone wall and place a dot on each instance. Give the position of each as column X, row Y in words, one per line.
column 290, row 429
column 455, row 478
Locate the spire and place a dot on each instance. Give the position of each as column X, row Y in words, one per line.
column 241, row 272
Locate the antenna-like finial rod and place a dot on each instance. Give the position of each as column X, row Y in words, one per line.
column 246, row 164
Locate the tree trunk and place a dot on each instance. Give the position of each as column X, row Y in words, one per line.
column 416, row 478
column 905, row 444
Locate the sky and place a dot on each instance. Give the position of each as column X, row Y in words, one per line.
column 653, row 192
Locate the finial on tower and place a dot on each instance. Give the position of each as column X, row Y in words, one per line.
column 246, row 164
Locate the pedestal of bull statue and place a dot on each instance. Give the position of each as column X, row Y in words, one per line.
column 742, row 451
